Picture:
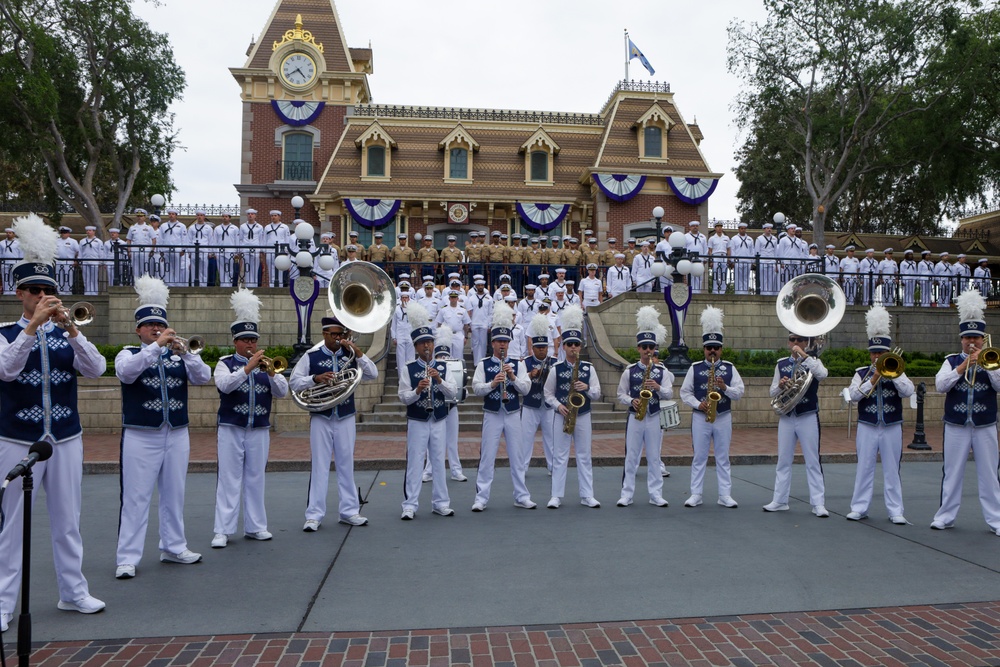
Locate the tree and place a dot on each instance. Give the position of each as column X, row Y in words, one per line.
column 838, row 86
column 86, row 86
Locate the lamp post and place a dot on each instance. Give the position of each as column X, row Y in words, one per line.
column 677, row 295
column 157, row 201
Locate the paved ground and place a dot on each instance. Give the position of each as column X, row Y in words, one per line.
column 637, row 585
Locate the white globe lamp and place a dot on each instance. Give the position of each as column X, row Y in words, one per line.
column 325, row 262
column 677, row 240
column 282, row 262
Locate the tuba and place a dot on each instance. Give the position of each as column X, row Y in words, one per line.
column 363, row 298
column 810, row 305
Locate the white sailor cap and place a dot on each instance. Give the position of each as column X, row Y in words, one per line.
column 767, row 225
column 694, row 223
column 543, row 276
column 114, row 230
column 90, row 228
column 619, row 254
column 830, row 246
column 570, row 283
column 201, row 211
column 529, row 286
column 644, row 243
column 961, row 255
column 791, row 226
column 450, row 275
column 275, row 212
column 560, row 290
column 560, row 270
column 742, row 225
column 870, row 250
column 944, row 254
column 924, row 252
column 251, row 210
column 813, row 245
column 983, row 259
column 404, row 276
column 478, row 276
column 510, row 297
column 326, row 235
column 479, row 281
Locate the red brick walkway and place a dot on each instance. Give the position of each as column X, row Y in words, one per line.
column 953, row 634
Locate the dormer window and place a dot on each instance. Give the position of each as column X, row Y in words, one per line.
column 376, row 161
column 652, row 137
column 539, row 158
column 652, row 129
column 458, row 165
column 376, row 153
column 459, row 150
column 539, row 165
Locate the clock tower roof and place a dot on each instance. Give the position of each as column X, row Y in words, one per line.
column 318, row 17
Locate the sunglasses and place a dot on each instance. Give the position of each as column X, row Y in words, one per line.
column 38, row 289
column 572, row 344
column 647, row 346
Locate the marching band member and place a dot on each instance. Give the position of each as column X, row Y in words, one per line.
column 908, row 272
column 246, row 389
column 29, row 348
column 536, row 413
column 926, row 270
column 92, row 251
column 802, row 424
column 880, row 423
column 643, row 434
column 442, row 352
column 970, row 418
column 400, row 331
column 501, row 381
column 332, row 432
column 557, row 395
column 425, row 390
column 718, row 249
column 717, row 432
column 155, row 440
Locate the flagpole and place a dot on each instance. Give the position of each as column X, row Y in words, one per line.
column 626, row 54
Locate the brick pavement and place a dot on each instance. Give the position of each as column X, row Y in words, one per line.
column 950, row 634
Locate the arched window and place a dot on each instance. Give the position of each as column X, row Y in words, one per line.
column 298, row 157
column 459, row 163
column 539, row 165
column 653, row 138
column 376, row 161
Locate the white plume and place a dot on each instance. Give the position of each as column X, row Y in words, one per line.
column 443, row 335
column 878, row 321
column 711, row 320
column 152, row 291
column 246, row 305
column 38, row 240
column 971, row 305
column 503, row 315
column 661, row 335
column 571, row 318
column 539, row 326
column 646, row 319
column 417, row 315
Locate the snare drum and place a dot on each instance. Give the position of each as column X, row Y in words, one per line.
column 670, row 415
column 456, row 374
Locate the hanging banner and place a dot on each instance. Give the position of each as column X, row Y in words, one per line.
column 297, row 114
column 373, row 212
column 620, row 187
column 542, row 217
column 692, row 190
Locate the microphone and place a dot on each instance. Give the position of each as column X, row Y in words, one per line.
column 40, row 451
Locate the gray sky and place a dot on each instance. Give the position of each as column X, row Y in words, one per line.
column 548, row 55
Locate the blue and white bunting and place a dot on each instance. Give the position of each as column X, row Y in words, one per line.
column 373, row 212
column 542, row 217
column 297, row 114
column 692, row 190
column 620, row 187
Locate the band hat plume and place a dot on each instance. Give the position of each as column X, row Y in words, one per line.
column 442, row 340
column 246, row 305
column 39, row 245
column 647, row 319
column 971, row 313
column 571, row 323
column 878, row 324
column 419, row 319
column 503, row 322
column 711, row 326
column 153, row 295
column 538, row 330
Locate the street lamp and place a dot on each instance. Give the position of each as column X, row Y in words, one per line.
column 297, row 203
column 157, row 201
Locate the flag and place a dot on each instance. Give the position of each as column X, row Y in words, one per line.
column 634, row 52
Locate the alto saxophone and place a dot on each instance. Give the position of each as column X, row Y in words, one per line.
column 644, row 394
column 713, row 397
column 574, row 401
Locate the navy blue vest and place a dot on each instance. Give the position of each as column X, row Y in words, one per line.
column 724, row 370
column 249, row 405
column 419, row 410
column 41, row 401
column 635, row 373
column 809, row 402
column 964, row 403
column 321, row 361
column 158, row 396
column 884, row 406
column 492, row 402
column 536, row 397
column 564, row 373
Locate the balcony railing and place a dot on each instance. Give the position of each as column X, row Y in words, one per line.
column 294, row 170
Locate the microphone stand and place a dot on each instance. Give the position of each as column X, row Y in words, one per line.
column 24, row 620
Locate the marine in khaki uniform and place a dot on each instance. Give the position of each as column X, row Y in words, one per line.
column 451, row 256
column 361, row 253
column 591, row 255
column 402, row 256
column 572, row 257
column 474, row 254
column 630, row 252
column 495, row 255
column 553, row 255
column 608, row 256
column 515, row 263
column 428, row 257
column 534, row 257
column 378, row 252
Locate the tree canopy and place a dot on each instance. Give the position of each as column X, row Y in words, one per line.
column 867, row 116
column 86, row 86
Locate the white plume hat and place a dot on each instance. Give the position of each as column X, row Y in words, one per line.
column 153, row 295
column 711, row 326
column 246, row 305
column 971, row 312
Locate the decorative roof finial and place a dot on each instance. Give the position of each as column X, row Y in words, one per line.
column 298, row 35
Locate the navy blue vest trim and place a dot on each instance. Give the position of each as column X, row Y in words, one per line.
column 158, row 396
column 493, row 401
column 635, row 373
column 535, row 398
column 976, row 404
column 564, row 373
column 724, row 370
column 424, row 408
column 884, row 406
column 249, row 405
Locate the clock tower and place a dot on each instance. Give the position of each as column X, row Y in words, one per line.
column 298, row 81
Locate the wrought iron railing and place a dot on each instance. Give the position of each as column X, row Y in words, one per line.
column 295, row 170
column 634, row 86
column 457, row 113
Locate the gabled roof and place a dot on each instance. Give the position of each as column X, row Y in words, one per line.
column 540, row 138
column 318, row 17
column 375, row 131
column 459, row 134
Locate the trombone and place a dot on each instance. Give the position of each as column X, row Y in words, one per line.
column 989, row 359
column 890, row 365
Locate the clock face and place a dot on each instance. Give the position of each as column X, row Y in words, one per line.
column 298, row 69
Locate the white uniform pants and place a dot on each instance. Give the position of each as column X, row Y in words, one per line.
column 152, row 459
column 404, row 351
column 983, row 442
column 717, row 436
column 332, row 438
column 494, row 425
column 450, row 442
column 695, row 284
column 478, row 344
column 242, row 461
column 60, row 477
column 885, row 441
column 769, row 278
column 458, row 346
column 560, row 456
column 251, row 265
column 531, row 420
column 741, row 274
column 90, row 277
column 909, row 287
column 425, row 439
column 805, row 429
column 850, row 289
column 925, row 292
column 642, row 436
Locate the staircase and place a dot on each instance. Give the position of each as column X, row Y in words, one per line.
column 390, row 414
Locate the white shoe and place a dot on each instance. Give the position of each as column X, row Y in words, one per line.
column 727, row 501
column 5, row 620
column 261, row 535
column 356, row 520
column 311, row 526
column 693, row 501
column 554, row 503
column 478, row 506
column 444, row 511
column 459, row 477
column 590, row 502
column 856, row 516
column 820, row 511
column 775, row 506
column 219, row 541
column 663, row 470
column 426, row 478
column 525, row 504
column 407, row 515
column 899, row 520
column 659, row 501
column 624, row 501
column 186, row 557
column 85, row 605
column 998, row 532
column 125, row 572
column 941, row 525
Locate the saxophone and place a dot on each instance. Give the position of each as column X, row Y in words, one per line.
column 713, row 397
column 574, row 401
column 644, row 394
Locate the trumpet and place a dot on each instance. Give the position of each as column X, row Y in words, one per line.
column 80, row 314
column 273, row 364
column 192, row 345
column 889, row 365
column 989, row 359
